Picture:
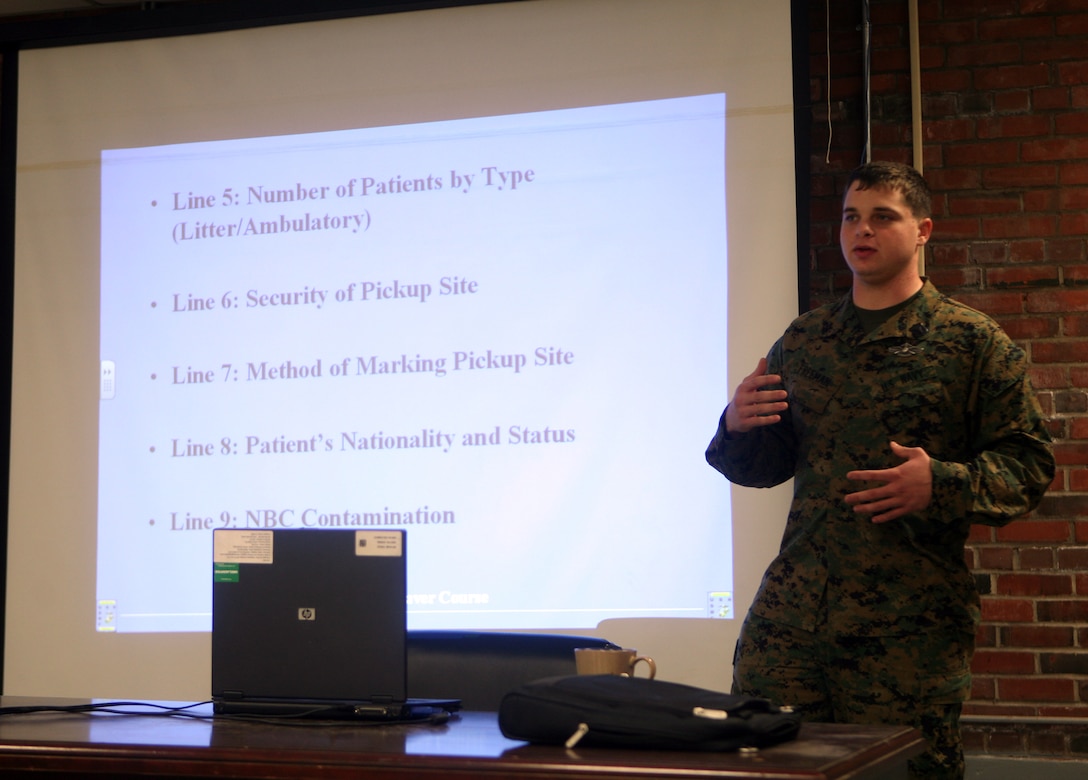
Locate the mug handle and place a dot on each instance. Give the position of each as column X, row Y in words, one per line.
column 650, row 666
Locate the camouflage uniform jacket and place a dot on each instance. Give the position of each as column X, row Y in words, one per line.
column 936, row 375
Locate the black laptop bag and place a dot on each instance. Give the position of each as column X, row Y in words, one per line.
column 636, row 712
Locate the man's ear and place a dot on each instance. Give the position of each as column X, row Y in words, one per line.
column 925, row 230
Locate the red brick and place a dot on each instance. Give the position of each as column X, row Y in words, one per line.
column 1073, row 225
column 948, row 31
column 1019, row 226
column 988, row 252
column 1011, row 76
column 1017, row 28
column 1071, row 24
column 1072, row 198
column 1007, row 610
column 983, row 688
column 1035, row 531
column 1007, row 741
column 1063, row 663
column 1065, row 351
column 1049, row 376
column 983, row 54
column 1046, row 743
column 1073, row 558
column 1071, row 124
column 1003, row 662
column 960, row 205
column 1074, row 711
column 1053, row 149
column 1068, row 454
column 1062, row 611
column 980, row 534
column 1036, row 559
column 944, row 130
column 963, row 229
column 1069, row 73
column 995, row 304
column 1034, row 585
column 1057, row 301
column 1067, row 250
column 1032, row 276
column 995, row 558
column 1014, row 126
column 1053, row 50
column 1000, row 710
column 1040, row 200
column 986, row 635
column 998, row 153
column 1037, row 636
column 1012, row 101
column 1073, row 172
column 956, row 277
column 1023, row 328
column 1044, row 98
column 946, row 179
column 1036, row 689
column 1075, row 325
column 1039, row 175
column 1071, row 402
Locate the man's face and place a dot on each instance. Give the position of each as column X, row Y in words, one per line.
column 879, row 235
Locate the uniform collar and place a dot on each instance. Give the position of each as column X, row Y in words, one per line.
column 910, row 324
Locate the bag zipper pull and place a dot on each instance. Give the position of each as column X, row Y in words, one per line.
column 576, row 737
column 703, row 712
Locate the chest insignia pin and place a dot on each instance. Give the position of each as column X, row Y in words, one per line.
column 906, row 350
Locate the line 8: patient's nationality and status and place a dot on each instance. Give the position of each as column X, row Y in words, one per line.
column 489, row 177
column 373, row 441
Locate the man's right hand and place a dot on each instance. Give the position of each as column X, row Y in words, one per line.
column 752, row 405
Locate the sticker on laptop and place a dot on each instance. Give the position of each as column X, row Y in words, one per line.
column 379, row 544
column 242, row 547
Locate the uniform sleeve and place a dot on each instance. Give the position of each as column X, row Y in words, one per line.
column 1013, row 463
column 763, row 457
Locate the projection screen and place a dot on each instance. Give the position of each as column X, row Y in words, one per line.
column 487, row 273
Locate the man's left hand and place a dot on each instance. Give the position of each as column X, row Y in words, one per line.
column 905, row 488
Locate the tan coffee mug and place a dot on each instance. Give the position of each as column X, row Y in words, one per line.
column 594, row 660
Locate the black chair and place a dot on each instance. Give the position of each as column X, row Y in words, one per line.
column 479, row 667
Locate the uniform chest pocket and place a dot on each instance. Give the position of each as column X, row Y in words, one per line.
column 914, row 413
column 811, row 396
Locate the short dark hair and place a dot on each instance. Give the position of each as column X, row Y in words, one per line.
column 896, row 176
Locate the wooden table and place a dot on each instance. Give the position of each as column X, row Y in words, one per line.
column 469, row 746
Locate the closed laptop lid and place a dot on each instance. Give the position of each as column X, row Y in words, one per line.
column 310, row 615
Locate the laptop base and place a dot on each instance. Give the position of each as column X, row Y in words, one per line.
column 389, row 712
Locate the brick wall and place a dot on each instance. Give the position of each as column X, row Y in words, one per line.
column 1005, row 139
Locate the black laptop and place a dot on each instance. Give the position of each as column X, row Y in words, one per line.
column 311, row 623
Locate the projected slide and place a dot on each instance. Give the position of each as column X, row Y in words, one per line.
column 506, row 335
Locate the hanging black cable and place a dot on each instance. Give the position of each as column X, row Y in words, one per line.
column 866, row 61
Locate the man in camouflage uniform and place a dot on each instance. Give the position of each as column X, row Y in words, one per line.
column 903, row 417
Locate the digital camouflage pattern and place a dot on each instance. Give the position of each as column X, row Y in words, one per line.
column 916, row 680
column 863, row 622
column 937, row 375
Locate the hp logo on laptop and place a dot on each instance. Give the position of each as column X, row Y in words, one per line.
column 307, row 613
